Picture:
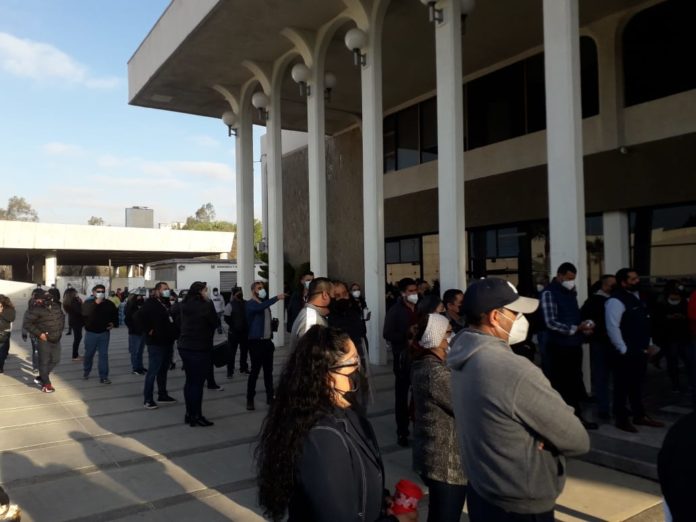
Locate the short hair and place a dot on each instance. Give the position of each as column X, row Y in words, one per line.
column 215, row 290
column 606, row 276
column 450, row 295
column 405, row 283
column 428, row 304
column 622, row 274
column 319, row 285
column 159, row 285
column 95, row 287
column 306, row 273
column 566, row 267
column 253, row 285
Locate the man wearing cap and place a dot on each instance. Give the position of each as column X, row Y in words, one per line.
column 514, row 429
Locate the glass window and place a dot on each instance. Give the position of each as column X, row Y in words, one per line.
column 410, row 250
column 407, row 138
column 391, row 252
column 589, row 77
column 389, row 131
column 508, row 243
column 495, row 106
column 658, row 52
column 536, row 93
column 428, row 132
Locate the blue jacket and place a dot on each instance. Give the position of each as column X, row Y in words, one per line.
column 255, row 312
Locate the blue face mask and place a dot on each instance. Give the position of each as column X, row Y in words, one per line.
column 166, row 293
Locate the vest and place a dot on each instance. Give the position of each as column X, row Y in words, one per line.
column 567, row 312
column 635, row 322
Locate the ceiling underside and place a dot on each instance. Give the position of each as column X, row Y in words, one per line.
column 236, row 31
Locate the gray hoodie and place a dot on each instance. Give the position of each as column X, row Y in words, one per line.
column 504, row 407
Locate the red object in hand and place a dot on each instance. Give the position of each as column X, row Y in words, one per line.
column 406, row 497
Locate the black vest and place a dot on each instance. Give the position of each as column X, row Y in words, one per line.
column 568, row 312
column 635, row 322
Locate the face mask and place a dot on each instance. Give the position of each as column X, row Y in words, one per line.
column 413, row 298
column 166, row 293
column 518, row 331
column 262, row 293
column 540, row 288
column 351, row 395
column 215, row 293
column 674, row 302
column 100, row 295
column 569, row 285
column 356, row 294
column 306, row 283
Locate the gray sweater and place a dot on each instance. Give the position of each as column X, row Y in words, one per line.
column 435, row 446
column 504, row 407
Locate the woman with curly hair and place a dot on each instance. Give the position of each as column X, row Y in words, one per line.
column 318, row 459
column 7, row 315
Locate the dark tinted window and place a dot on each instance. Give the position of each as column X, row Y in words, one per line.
column 407, row 138
column 389, row 130
column 536, row 93
column 589, row 77
column 428, row 133
column 659, row 45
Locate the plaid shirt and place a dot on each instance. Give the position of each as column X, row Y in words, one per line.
column 550, row 311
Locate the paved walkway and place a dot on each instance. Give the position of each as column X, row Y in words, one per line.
column 91, row 452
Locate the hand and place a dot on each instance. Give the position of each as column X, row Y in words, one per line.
column 43, row 337
column 109, row 326
column 281, row 297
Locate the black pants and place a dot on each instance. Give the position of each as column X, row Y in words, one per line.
column 402, row 383
column 446, row 501
column 566, row 373
column 49, row 356
column 261, row 352
column 210, row 377
column 673, row 351
column 4, row 348
column 77, row 339
column 235, row 341
column 629, row 372
column 480, row 510
column 196, row 366
column 157, row 369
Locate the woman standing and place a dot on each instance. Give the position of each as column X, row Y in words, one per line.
column 318, row 459
column 7, row 315
column 72, row 306
column 197, row 322
column 435, row 449
column 136, row 334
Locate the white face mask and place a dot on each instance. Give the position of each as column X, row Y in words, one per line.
column 569, row 284
column 674, row 302
column 518, row 331
column 413, row 298
column 540, row 288
column 262, row 293
column 100, row 295
column 306, row 283
column 356, row 294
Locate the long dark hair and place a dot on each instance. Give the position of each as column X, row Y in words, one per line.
column 5, row 301
column 302, row 397
column 195, row 291
column 68, row 297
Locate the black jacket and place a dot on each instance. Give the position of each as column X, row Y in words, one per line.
column 675, row 468
column 133, row 306
column 339, row 476
column 196, row 321
column 295, row 304
column 157, row 322
column 397, row 323
column 74, row 311
column 594, row 309
column 237, row 319
column 98, row 316
column 6, row 317
column 347, row 316
column 47, row 318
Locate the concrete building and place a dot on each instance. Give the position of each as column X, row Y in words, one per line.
column 456, row 141
column 182, row 273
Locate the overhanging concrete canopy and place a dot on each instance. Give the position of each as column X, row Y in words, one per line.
column 94, row 245
column 196, row 45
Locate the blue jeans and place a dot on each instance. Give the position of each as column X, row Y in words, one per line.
column 480, row 510
column 136, row 344
column 97, row 342
column 157, row 368
column 446, row 500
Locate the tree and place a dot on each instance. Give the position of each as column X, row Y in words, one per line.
column 204, row 219
column 18, row 209
column 206, row 213
column 96, row 221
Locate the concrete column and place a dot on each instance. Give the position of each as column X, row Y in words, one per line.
column 51, row 268
column 450, row 151
column 316, row 152
column 37, row 270
column 245, row 198
column 564, row 138
column 274, row 170
column 373, row 194
column 616, row 247
column 610, row 82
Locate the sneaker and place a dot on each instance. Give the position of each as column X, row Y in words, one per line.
column 250, row 405
column 166, row 398
column 151, row 405
column 105, row 381
column 47, row 388
column 217, row 387
column 139, row 372
column 37, row 380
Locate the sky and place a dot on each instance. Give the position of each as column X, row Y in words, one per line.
column 69, row 142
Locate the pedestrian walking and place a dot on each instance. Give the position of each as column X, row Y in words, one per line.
column 72, row 306
column 136, row 333
column 100, row 316
column 7, row 315
column 514, row 429
column 36, row 299
column 45, row 322
column 318, row 459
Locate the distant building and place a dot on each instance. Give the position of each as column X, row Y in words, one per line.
column 140, row 217
column 181, row 273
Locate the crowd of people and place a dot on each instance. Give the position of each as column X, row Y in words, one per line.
column 489, row 419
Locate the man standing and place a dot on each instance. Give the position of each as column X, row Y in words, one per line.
column 628, row 327
column 261, row 347
column 45, row 321
column 452, row 299
column 101, row 315
column 315, row 311
column 513, row 428
column 397, row 324
column 219, row 303
column 158, row 325
column 600, row 347
column 298, row 298
column 566, row 332
column 237, row 332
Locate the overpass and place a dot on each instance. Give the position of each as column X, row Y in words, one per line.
column 28, row 247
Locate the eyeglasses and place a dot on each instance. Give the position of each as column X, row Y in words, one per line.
column 350, row 363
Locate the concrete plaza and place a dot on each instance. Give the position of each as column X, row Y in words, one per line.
column 91, row 452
